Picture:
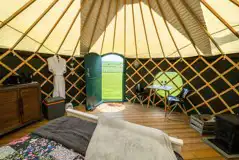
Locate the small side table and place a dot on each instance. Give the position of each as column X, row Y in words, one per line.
column 154, row 89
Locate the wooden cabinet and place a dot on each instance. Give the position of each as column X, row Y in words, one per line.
column 19, row 105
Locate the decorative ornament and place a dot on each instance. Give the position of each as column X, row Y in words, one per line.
column 136, row 63
column 72, row 66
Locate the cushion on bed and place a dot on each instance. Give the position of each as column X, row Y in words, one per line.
column 73, row 133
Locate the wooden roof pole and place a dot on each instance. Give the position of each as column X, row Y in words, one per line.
column 235, row 2
column 155, row 26
column 34, row 24
column 124, row 28
column 145, row 32
column 75, row 48
column 27, row 36
column 87, row 17
column 211, row 34
column 29, row 29
column 184, row 27
column 101, row 50
column 214, row 12
column 69, row 29
column 54, row 26
column 20, row 10
column 116, row 15
column 41, row 44
column 166, row 24
column 202, row 26
column 135, row 39
column 97, row 20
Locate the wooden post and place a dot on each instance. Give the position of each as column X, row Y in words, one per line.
column 101, row 50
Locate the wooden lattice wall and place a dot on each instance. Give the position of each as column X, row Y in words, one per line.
column 214, row 81
column 17, row 62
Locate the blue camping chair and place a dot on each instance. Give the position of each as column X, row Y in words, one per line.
column 179, row 101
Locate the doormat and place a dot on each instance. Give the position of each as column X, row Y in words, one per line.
column 209, row 141
column 115, row 104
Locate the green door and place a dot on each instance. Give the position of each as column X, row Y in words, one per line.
column 93, row 77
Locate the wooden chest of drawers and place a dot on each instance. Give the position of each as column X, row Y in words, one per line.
column 19, row 105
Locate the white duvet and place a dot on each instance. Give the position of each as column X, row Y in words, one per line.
column 121, row 140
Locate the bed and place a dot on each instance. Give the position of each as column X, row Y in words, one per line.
column 44, row 144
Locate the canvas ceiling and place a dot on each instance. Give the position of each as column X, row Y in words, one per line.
column 133, row 28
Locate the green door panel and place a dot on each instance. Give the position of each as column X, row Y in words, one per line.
column 93, row 78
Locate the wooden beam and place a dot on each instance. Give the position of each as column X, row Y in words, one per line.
column 155, row 27
column 28, row 36
column 97, row 19
column 235, row 2
column 106, row 22
column 116, row 15
column 34, row 24
column 77, row 43
column 124, row 28
column 135, row 38
column 214, row 97
column 20, row 10
column 166, row 24
column 30, row 28
column 214, row 12
column 145, row 32
column 191, row 87
column 54, row 26
column 184, row 27
column 213, row 90
column 69, row 29
column 42, row 43
column 87, row 17
column 202, row 26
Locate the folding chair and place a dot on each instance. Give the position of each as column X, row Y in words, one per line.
column 140, row 94
column 178, row 101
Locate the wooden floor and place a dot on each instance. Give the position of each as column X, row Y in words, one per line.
column 193, row 149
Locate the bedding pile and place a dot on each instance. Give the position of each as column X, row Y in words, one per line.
column 121, row 140
column 69, row 138
column 72, row 132
column 34, row 147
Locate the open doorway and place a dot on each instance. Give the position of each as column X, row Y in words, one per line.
column 112, row 78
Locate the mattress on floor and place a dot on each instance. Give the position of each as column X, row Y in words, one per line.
column 36, row 147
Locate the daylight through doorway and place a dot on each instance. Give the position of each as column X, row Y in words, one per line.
column 112, row 77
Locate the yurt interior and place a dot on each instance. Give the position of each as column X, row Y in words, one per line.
column 119, row 79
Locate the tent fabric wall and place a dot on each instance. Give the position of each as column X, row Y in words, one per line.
column 134, row 28
column 213, row 81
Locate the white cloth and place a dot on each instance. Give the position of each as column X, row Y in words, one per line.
column 121, row 140
column 57, row 66
column 6, row 151
column 61, row 153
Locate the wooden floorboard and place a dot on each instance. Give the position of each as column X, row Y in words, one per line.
column 21, row 132
column 193, row 149
column 177, row 126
